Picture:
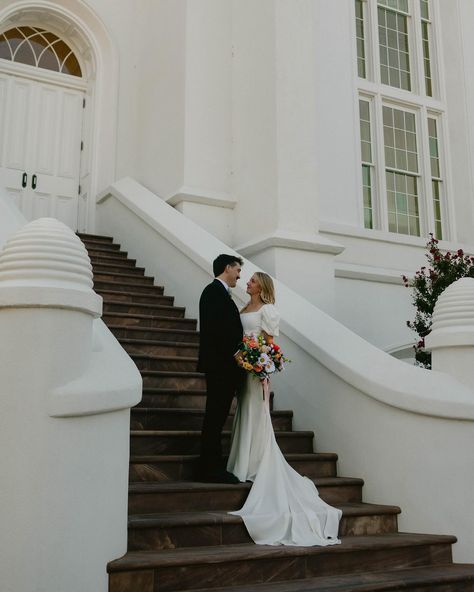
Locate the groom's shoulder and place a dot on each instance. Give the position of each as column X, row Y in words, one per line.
column 212, row 288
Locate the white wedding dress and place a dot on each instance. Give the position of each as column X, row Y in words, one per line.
column 283, row 507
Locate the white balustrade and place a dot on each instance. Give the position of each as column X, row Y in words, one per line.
column 67, row 387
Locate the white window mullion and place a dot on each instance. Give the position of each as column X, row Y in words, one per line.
column 426, row 201
column 447, row 206
column 379, row 181
column 417, row 58
column 373, row 41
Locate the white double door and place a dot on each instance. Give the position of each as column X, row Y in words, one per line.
column 40, row 147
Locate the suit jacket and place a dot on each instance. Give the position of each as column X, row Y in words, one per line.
column 220, row 330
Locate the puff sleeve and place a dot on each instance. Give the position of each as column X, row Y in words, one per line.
column 270, row 319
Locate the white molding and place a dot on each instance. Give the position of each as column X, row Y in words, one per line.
column 389, row 237
column 369, row 274
column 287, row 240
column 207, row 198
column 42, row 75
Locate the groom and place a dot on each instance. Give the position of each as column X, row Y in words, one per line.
column 220, row 334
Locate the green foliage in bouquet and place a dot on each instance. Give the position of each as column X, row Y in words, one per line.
column 429, row 282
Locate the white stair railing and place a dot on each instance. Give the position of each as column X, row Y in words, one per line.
column 66, row 391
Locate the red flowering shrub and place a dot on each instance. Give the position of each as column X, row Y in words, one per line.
column 429, row 282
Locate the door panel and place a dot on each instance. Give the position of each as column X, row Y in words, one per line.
column 18, row 119
column 46, row 131
column 42, row 137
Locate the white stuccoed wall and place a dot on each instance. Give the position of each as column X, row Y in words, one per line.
column 67, row 387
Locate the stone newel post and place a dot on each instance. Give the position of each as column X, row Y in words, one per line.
column 451, row 340
column 66, row 390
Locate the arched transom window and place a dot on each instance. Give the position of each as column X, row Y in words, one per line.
column 40, row 48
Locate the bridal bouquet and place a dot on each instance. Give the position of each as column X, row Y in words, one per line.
column 260, row 356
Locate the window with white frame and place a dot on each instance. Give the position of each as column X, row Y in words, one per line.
column 401, row 117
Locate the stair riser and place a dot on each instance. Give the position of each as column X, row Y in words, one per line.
column 112, row 307
column 137, row 287
column 100, row 268
column 152, row 321
column 87, row 238
column 110, row 255
column 121, row 263
column 102, row 246
column 156, row 335
column 165, row 364
column 133, row 276
column 173, row 381
column 178, row 470
column 161, row 420
column 229, row 499
column 173, row 400
column 157, row 538
column 143, row 581
column 191, row 444
column 161, row 349
column 234, row 573
column 132, row 299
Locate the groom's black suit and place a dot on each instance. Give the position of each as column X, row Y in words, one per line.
column 220, row 334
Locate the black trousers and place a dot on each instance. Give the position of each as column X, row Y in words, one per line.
column 221, row 389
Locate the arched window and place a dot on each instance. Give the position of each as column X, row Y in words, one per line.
column 40, row 48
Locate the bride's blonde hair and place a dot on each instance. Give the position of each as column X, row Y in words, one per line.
column 267, row 295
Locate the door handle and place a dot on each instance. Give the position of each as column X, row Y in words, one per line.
column 34, row 180
column 24, row 180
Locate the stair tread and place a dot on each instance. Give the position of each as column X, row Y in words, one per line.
column 110, row 284
column 292, row 456
column 86, row 236
column 197, row 434
column 219, row 516
column 185, row 486
column 131, row 315
column 131, row 341
column 131, row 293
column 247, row 552
column 155, row 329
column 190, row 411
column 364, row 582
column 172, row 391
column 135, row 356
column 164, row 373
column 121, row 274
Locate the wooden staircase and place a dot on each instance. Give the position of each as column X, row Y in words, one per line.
column 180, row 534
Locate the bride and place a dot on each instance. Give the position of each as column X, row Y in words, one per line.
column 283, row 507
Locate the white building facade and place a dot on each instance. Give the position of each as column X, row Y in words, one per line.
column 324, row 140
column 321, row 139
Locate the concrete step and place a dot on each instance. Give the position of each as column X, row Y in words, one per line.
column 181, row 467
column 193, row 568
column 174, row 332
column 127, row 319
column 155, row 442
column 168, row 496
column 159, row 348
column 147, row 418
column 170, row 362
column 442, row 578
column 151, row 532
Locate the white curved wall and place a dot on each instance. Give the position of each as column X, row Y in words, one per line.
column 403, row 429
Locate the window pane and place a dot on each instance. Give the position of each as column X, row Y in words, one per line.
column 426, row 57
column 393, row 48
column 367, row 193
column 360, row 35
column 40, row 48
column 424, row 8
column 402, row 204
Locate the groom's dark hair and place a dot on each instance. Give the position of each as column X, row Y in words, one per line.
column 220, row 263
